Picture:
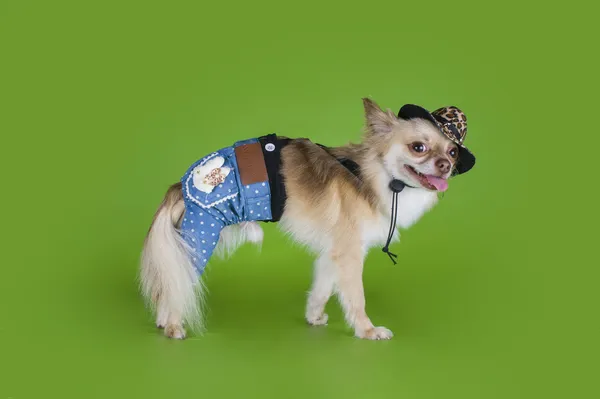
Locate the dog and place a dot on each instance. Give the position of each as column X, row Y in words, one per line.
column 337, row 201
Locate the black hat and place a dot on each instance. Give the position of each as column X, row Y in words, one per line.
column 452, row 123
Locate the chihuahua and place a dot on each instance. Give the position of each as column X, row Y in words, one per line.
column 337, row 201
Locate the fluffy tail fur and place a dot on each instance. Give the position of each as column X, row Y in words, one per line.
column 169, row 281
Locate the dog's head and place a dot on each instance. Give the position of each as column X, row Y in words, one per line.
column 414, row 151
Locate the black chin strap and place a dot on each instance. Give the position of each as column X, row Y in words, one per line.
column 396, row 186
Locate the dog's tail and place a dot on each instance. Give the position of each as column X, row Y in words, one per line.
column 168, row 279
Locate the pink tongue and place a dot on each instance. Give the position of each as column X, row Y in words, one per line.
column 439, row 183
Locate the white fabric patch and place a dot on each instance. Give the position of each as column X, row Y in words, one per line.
column 209, row 175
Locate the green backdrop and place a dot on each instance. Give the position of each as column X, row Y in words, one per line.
column 106, row 103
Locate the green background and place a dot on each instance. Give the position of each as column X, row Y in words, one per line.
column 106, row 103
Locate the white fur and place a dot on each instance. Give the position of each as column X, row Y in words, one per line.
column 235, row 235
column 167, row 272
column 413, row 203
column 324, row 282
column 167, row 269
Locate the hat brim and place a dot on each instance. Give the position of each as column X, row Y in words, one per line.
column 466, row 159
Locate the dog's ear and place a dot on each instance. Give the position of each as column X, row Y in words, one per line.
column 378, row 121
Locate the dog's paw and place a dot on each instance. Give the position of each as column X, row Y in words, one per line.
column 318, row 320
column 174, row 331
column 375, row 333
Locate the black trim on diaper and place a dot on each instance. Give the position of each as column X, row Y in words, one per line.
column 271, row 147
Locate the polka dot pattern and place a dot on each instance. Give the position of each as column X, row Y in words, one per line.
column 228, row 203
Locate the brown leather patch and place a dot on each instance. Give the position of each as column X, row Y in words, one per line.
column 251, row 163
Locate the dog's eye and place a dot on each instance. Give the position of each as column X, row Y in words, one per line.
column 418, row 147
column 453, row 152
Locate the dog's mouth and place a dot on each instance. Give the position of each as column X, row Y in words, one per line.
column 428, row 181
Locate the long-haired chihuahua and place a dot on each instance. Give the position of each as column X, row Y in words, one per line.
column 337, row 201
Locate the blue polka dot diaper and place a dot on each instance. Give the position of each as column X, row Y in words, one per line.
column 215, row 197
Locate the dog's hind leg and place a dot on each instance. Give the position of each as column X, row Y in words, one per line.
column 162, row 313
column 168, row 278
column 323, row 284
column 174, row 327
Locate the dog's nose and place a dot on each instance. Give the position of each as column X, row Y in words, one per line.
column 443, row 165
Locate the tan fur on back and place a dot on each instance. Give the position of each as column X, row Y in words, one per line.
column 324, row 194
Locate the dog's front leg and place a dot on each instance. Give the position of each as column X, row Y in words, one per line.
column 352, row 296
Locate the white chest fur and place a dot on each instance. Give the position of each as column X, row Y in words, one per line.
column 412, row 204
